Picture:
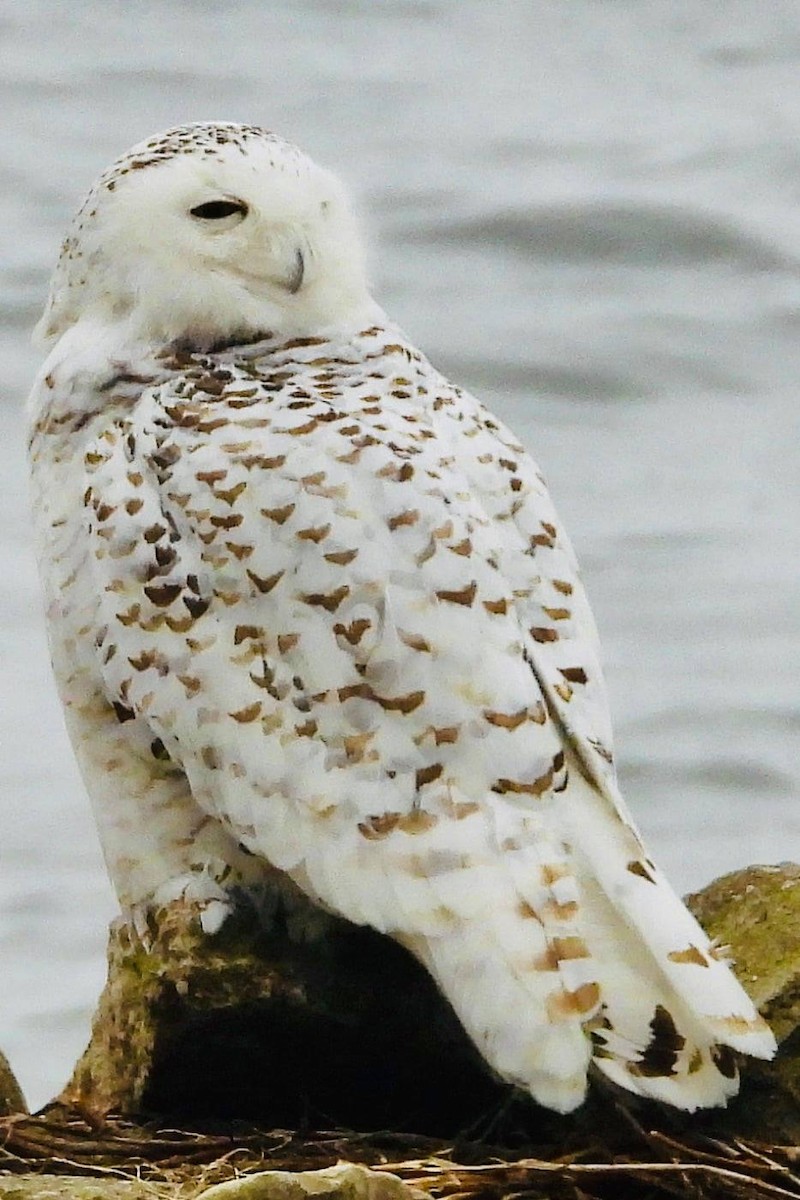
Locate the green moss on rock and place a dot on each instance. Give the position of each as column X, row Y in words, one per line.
column 756, row 913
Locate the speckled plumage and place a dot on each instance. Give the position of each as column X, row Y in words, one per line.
column 311, row 610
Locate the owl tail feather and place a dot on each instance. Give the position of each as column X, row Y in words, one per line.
column 579, row 953
column 671, row 1010
column 646, row 1037
column 506, row 1022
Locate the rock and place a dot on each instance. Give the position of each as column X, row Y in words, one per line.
column 343, row 1182
column 345, row 1029
column 346, row 1181
column 11, row 1097
column 66, row 1187
column 756, row 912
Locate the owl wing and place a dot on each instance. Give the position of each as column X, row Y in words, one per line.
column 692, row 993
column 326, row 621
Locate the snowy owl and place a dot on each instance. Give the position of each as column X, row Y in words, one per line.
column 311, row 610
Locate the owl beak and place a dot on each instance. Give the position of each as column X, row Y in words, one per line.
column 284, row 266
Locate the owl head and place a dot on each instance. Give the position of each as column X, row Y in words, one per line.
column 206, row 233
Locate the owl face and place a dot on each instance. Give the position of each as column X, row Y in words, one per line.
column 200, row 238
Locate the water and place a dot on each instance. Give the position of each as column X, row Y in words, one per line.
column 588, row 213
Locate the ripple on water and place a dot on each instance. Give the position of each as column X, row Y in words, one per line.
column 597, row 231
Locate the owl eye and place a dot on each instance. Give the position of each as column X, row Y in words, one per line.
column 215, row 210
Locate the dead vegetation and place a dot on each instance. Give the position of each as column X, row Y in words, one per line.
column 636, row 1165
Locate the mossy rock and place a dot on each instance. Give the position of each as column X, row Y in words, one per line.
column 341, row 1030
column 255, row 1023
column 756, row 913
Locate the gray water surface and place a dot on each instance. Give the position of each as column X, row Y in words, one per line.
column 585, row 211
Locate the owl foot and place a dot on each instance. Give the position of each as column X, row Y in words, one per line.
column 210, row 903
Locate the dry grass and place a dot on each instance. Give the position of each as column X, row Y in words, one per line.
column 181, row 1163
